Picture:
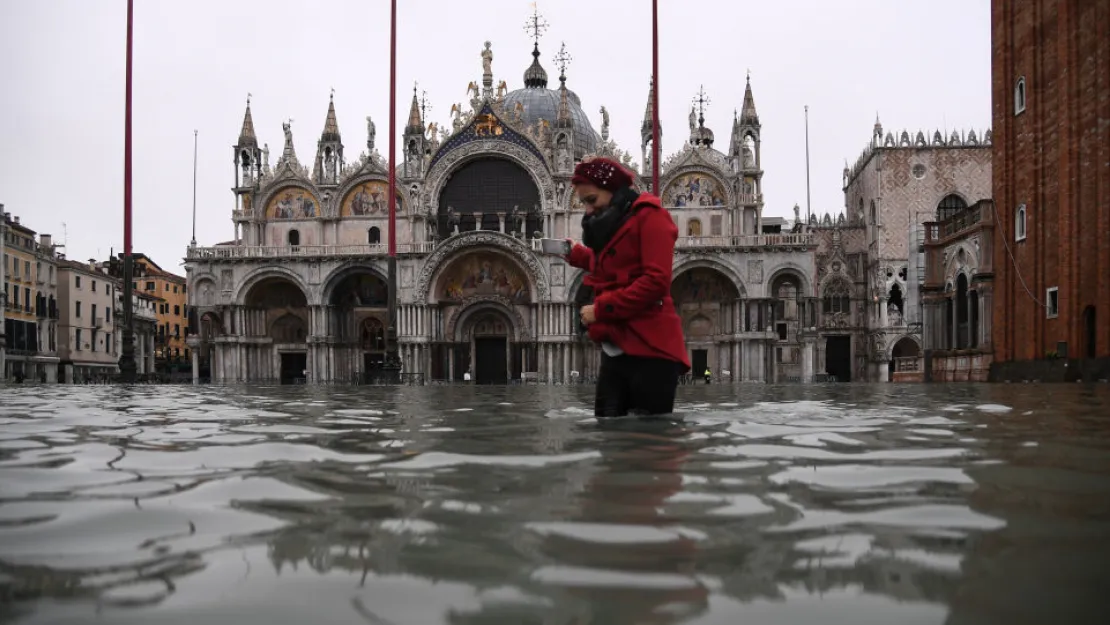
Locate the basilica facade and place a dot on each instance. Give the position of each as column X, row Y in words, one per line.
column 300, row 292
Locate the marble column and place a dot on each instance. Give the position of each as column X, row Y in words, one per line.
column 196, row 367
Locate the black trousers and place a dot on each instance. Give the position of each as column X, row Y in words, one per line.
column 635, row 385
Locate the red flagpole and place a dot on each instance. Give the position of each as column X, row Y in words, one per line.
column 392, row 361
column 655, row 98
column 127, row 367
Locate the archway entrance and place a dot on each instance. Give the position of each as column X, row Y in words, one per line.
column 708, row 303
column 359, row 313
column 483, row 295
column 1089, row 331
column 275, row 309
column 490, row 194
column 489, row 334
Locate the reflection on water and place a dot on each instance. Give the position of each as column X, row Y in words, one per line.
column 819, row 504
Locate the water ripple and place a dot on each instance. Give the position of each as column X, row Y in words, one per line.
column 825, row 504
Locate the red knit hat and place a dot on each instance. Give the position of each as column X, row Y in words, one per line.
column 603, row 173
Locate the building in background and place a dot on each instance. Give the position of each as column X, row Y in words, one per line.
column 87, row 347
column 958, row 294
column 1051, row 94
column 145, row 314
column 302, row 285
column 30, row 308
column 171, row 354
column 897, row 185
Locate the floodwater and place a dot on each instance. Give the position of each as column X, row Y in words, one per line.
column 837, row 504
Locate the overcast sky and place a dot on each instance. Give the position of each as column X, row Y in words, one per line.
column 919, row 65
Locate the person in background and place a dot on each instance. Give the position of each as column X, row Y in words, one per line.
column 627, row 248
column 708, row 375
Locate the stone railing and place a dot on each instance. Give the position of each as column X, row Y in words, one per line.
column 231, row 252
column 748, row 241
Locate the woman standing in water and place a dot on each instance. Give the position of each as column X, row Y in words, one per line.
column 627, row 247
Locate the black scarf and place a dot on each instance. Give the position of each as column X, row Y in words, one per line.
column 600, row 226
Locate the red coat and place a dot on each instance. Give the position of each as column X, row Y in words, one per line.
column 631, row 279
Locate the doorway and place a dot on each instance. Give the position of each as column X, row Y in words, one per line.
column 490, row 360
column 293, row 365
column 699, row 362
column 1089, row 330
column 838, row 358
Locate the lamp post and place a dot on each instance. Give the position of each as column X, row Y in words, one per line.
column 127, row 355
column 392, row 365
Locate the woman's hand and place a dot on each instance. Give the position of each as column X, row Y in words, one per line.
column 587, row 314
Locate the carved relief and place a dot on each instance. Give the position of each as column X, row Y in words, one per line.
column 558, row 274
column 227, row 280
column 406, row 277
column 755, row 271
column 474, row 305
column 472, row 240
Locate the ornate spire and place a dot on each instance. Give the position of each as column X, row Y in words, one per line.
column 701, row 101
column 747, row 111
column 562, row 60
column 415, row 124
column 246, row 135
column 331, row 126
column 649, row 110
column 535, row 77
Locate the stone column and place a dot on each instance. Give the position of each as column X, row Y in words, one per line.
column 808, row 356
column 196, row 366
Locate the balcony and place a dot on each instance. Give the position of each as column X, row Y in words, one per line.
column 233, row 252
column 807, row 239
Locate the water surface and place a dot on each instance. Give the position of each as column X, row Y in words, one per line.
column 839, row 504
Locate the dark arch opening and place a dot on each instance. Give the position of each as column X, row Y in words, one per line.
column 489, row 186
column 294, row 237
column 961, row 312
column 949, row 206
column 374, row 236
column 1089, row 330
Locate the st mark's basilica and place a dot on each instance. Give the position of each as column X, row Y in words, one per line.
column 301, row 290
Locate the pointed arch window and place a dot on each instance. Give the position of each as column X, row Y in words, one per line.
column 1019, row 96
column 1020, row 223
column 949, row 206
column 837, row 298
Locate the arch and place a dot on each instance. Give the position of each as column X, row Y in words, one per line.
column 288, row 328
column 488, row 185
column 692, row 263
column 950, row 205
column 262, row 274
column 291, row 201
column 695, row 187
column 1021, row 223
column 698, row 327
column 364, row 196
column 482, row 272
column 211, row 325
column 836, row 295
column 373, row 235
column 475, row 307
column 793, row 270
column 339, row 274
column 438, row 260
column 962, row 316
column 293, row 237
column 449, row 162
column 905, row 347
column 372, row 335
column 707, row 284
column 1090, row 332
column 1020, row 95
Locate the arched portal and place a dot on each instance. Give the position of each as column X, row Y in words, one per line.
column 487, row 333
column 962, row 319
column 211, row 326
column 483, row 297
column 709, row 304
column 358, row 314
column 276, row 309
column 789, row 316
column 499, row 190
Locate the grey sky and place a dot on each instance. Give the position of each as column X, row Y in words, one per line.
column 919, row 65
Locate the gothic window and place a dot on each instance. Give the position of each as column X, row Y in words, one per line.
column 1019, row 96
column 1052, row 305
column 288, row 329
column 837, row 298
column 1019, row 223
column 874, row 213
column 949, row 206
column 294, row 237
column 693, row 228
column 374, row 236
column 489, row 186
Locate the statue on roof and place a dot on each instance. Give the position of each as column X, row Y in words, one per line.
column 487, row 60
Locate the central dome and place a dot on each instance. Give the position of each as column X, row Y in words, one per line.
column 539, row 102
